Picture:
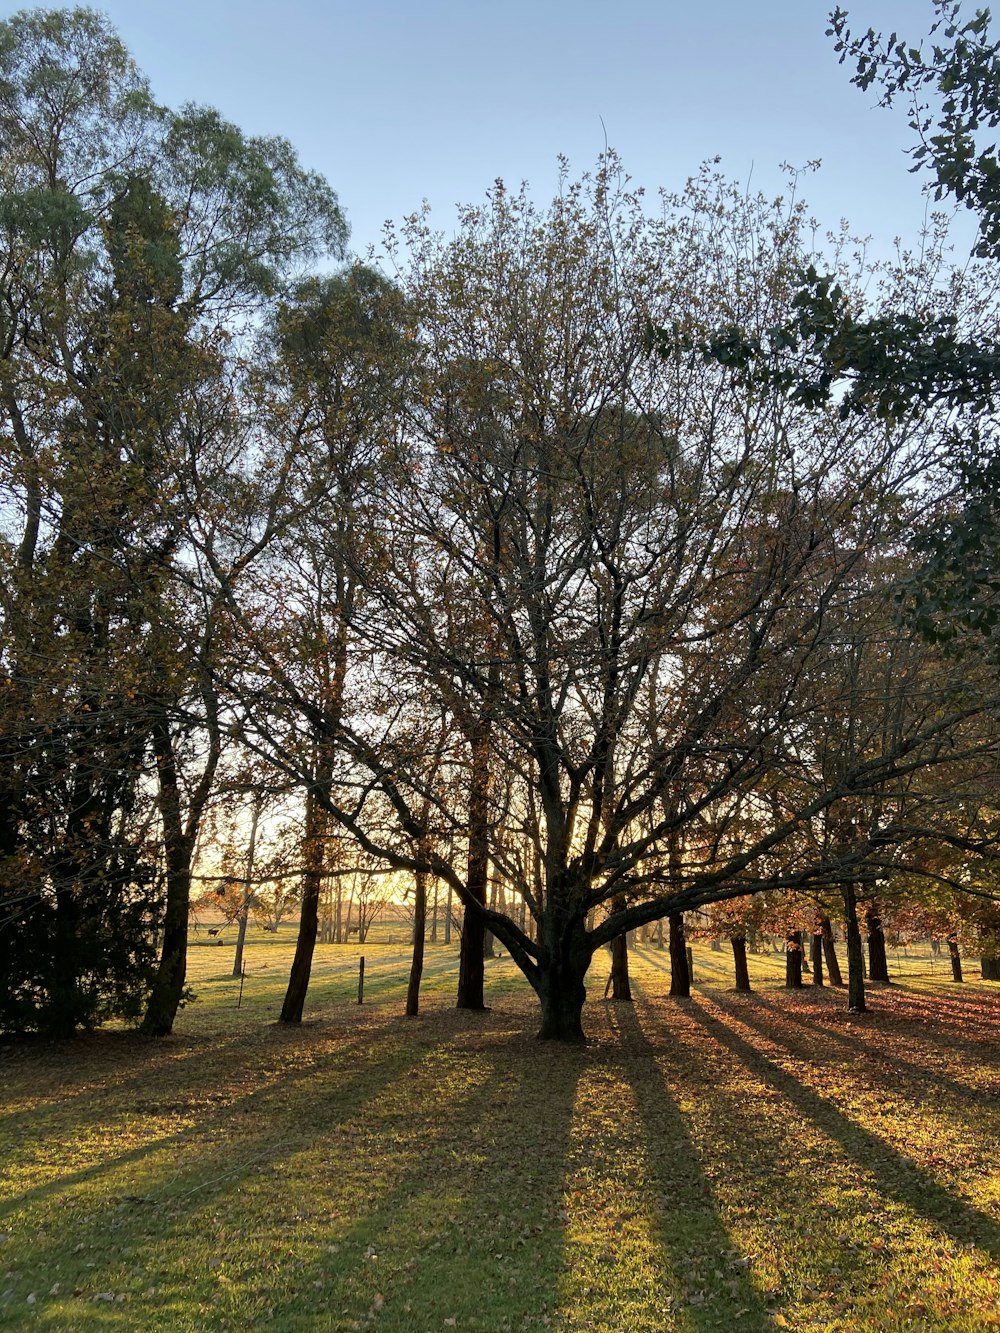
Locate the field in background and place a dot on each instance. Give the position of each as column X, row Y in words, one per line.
column 725, row 1163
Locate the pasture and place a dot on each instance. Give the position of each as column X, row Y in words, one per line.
column 728, row 1162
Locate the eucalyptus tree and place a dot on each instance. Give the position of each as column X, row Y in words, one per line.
column 136, row 243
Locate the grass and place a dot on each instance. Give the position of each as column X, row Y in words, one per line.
column 724, row 1163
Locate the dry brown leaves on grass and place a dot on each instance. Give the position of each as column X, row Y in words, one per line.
column 724, row 1163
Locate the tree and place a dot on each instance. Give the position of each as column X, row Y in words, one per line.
column 625, row 529
column 133, row 235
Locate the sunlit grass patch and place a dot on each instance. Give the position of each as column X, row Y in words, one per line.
column 722, row 1163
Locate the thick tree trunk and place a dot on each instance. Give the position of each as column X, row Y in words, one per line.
column 878, row 962
column 830, row 953
column 471, row 973
column 990, row 968
column 739, row 943
column 816, row 951
column 956, row 958
column 419, row 929
column 560, row 987
column 680, row 975
column 312, row 879
column 793, row 960
column 855, row 953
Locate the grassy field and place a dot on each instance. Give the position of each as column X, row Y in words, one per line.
column 724, row 1163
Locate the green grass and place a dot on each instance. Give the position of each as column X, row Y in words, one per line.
column 724, row 1163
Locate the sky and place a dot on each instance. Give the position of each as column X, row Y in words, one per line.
column 398, row 101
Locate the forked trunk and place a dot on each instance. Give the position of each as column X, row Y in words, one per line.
column 559, row 984
column 739, row 943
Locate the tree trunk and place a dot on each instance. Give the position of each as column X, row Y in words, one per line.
column 990, row 968
column 793, row 960
column 855, row 953
column 471, row 973
column 621, row 988
column 447, row 917
column 659, row 933
column 247, row 890
column 956, row 958
column 830, row 952
column 680, row 976
column 488, row 950
column 739, row 943
column 168, row 988
column 419, row 928
column 878, row 962
column 560, row 988
column 312, row 879
column 816, row 950
column 434, row 911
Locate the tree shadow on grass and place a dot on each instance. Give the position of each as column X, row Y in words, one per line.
column 416, row 1143
column 896, row 1176
column 874, row 1065
column 711, row 1287
column 150, row 1190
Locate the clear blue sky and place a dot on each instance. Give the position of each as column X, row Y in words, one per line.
column 395, row 101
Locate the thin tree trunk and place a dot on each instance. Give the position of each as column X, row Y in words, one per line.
column 855, row 953
column 488, row 950
column 793, row 960
column 830, row 953
column 878, row 962
column 680, row 976
column 621, row 987
column 955, row 956
column 471, row 973
column 816, row 950
column 419, row 928
column 447, row 917
column 247, row 891
column 312, row 879
column 739, row 943
column 434, row 911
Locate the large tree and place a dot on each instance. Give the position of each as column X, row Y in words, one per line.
column 634, row 567
column 136, row 241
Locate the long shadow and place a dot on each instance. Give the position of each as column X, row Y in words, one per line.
column 266, row 1102
column 454, row 1231
column 767, row 1016
column 896, row 1175
column 273, row 1126
column 690, row 1228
